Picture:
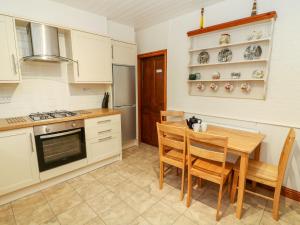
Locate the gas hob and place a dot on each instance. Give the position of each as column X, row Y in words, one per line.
column 51, row 115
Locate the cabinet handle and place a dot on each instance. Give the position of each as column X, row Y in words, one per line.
column 32, row 147
column 14, row 63
column 77, row 63
column 105, row 131
column 104, row 139
column 104, row 121
column 112, row 52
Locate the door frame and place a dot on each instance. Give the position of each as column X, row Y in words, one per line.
column 140, row 57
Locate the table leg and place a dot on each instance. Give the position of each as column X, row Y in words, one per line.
column 256, row 157
column 242, row 182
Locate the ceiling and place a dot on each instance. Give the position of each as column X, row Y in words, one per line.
column 138, row 13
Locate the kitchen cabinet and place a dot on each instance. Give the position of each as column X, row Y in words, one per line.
column 9, row 65
column 92, row 54
column 103, row 138
column 124, row 53
column 18, row 160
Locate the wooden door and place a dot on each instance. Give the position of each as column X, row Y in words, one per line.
column 152, row 95
column 9, row 65
column 94, row 56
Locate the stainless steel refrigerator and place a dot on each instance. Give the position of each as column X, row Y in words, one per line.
column 124, row 99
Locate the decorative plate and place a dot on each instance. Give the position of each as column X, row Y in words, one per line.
column 253, row 52
column 225, row 55
column 203, row 57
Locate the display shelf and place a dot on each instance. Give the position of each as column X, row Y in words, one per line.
column 231, row 45
column 229, row 63
column 224, row 80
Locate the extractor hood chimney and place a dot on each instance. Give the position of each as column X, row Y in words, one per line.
column 45, row 44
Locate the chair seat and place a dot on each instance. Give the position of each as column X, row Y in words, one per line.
column 258, row 171
column 212, row 167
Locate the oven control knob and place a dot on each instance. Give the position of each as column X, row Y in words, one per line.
column 73, row 124
column 47, row 130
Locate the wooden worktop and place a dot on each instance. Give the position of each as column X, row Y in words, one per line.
column 82, row 114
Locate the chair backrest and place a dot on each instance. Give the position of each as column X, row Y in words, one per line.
column 207, row 146
column 284, row 156
column 171, row 137
column 171, row 116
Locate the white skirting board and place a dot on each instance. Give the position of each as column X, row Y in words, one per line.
column 59, row 179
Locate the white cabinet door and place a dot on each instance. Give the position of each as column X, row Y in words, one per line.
column 124, row 54
column 18, row 160
column 9, row 66
column 93, row 54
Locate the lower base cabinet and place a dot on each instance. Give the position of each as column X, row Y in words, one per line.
column 18, row 160
column 103, row 137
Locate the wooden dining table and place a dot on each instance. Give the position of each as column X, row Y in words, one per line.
column 241, row 143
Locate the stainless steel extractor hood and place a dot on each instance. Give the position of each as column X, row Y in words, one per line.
column 44, row 43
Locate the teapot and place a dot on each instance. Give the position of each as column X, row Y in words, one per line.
column 193, row 120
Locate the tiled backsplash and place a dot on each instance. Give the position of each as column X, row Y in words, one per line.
column 45, row 86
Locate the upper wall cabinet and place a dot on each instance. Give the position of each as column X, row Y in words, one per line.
column 124, row 53
column 93, row 56
column 9, row 65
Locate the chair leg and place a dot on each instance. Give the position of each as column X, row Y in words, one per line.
column 229, row 184
column 234, row 186
column 177, row 172
column 161, row 175
column 199, row 182
column 182, row 184
column 219, row 202
column 275, row 212
column 189, row 191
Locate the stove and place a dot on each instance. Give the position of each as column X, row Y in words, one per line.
column 51, row 115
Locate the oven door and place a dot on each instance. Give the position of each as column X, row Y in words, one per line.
column 60, row 148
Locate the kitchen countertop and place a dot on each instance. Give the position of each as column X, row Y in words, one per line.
column 82, row 114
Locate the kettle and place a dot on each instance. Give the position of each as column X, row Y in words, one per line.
column 193, row 120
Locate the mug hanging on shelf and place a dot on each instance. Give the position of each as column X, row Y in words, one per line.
column 214, row 86
column 246, row 87
column 200, row 86
column 228, row 87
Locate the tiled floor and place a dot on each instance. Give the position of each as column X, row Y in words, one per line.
column 126, row 193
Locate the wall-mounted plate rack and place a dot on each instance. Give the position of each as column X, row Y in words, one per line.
column 243, row 33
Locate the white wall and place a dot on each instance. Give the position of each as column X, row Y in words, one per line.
column 45, row 86
column 282, row 105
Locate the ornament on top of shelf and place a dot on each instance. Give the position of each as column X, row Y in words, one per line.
column 202, row 19
column 228, row 87
column 224, row 39
column 254, row 8
column 203, row 57
column 258, row 74
column 235, row 75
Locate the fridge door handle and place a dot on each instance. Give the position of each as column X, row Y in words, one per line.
column 123, row 106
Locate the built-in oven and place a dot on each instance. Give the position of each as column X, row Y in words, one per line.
column 59, row 143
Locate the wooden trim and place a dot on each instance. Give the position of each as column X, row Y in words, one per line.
column 163, row 52
column 290, row 193
column 234, row 23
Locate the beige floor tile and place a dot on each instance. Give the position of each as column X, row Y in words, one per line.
column 143, row 179
column 103, row 171
column 81, row 181
column 52, row 221
column 129, row 171
column 111, row 180
column 120, row 214
column 172, row 199
column 95, row 221
column 6, row 215
column 65, row 202
column 268, row 220
column 78, row 215
column 57, row 190
column 140, row 221
column 153, row 189
column 201, row 214
column 125, row 189
column 37, row 215
column 183, row 220
column 91, row 190
column 141, row 201
column 161, row 214
column 30, row 201
column 103, row 201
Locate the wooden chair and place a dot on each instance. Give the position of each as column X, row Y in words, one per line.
column 173, row 115
column 267, row 174
column 172, row 150
column 210, row 164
